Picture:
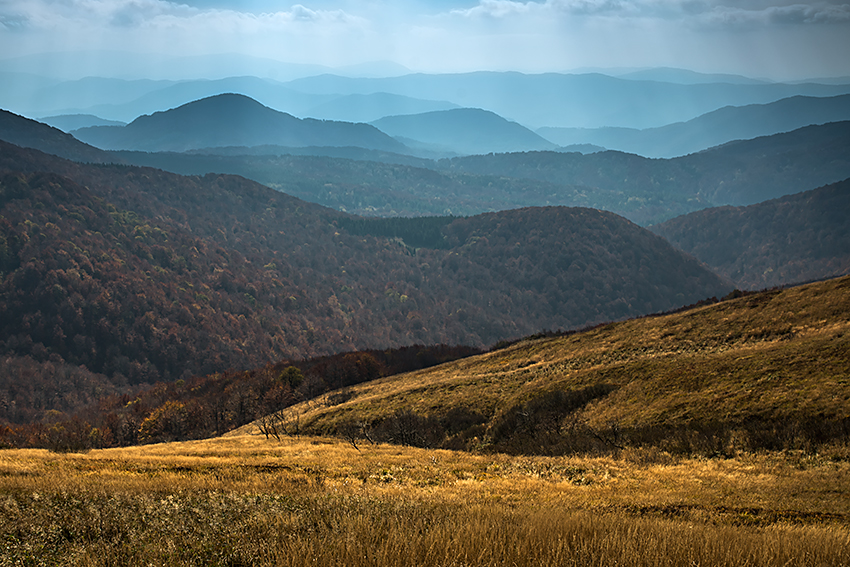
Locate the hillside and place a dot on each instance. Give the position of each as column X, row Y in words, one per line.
column 69, row 122
column 763, row 371
column 463, row 131
column 370, row 107
column 28, row 133
column 711, row 129
column 141, row 275
column 797, row 238
column 400, row 187
column 648, row 190
column 231, row 120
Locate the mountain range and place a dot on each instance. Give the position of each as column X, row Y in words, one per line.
column 143, row 275
column 187, row 251
column 588, row 100
column 231, row 120
column 711, row 129
column 577, row 101
column 385, row 183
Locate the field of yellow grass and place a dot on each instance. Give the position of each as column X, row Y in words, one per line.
column 248, row 500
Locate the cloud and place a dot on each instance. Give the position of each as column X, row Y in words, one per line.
column 109, row 14
column 751, row 12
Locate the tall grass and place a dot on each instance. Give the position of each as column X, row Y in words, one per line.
column 248, row 501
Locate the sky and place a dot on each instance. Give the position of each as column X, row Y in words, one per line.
column 758, row 38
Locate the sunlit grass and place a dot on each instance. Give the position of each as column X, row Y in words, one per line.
column 313, row 501
column 764, row 371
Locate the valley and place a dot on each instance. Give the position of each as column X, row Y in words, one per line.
column 456, row 284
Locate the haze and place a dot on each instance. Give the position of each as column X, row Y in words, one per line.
column 777, row 40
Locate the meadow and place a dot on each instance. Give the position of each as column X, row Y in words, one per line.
column 247, row 500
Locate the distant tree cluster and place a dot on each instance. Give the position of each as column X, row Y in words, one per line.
column 195, row 408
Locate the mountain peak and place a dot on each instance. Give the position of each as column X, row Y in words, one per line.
column 232, row 119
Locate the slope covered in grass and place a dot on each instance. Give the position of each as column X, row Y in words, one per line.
column 768, row 370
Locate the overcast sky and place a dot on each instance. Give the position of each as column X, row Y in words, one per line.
column 760, row 38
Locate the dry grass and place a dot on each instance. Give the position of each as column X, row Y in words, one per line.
column 780, row 357
column 247, row 500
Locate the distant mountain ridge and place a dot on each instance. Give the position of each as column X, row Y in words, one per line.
column 231, row 120
column 464, row 131
column 579, row 101
column 742, row 172
column 586, row 100
column 711, row 129
column 371, row 107
column 686, row 77
column 70, row 122
column 647, row 191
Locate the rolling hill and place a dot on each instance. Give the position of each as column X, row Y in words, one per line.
column 231, row 120
column 738, row 173
column 711, row 129
column 28, row 133
column 796, row 238
column 462, row 131
column 763, row 371
column 142, row 275
column 647, row 191
column 69, row 122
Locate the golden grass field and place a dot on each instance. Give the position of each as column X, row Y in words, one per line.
column 248, row 500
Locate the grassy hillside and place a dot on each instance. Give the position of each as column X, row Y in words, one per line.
column 770, row 370
column 802, row 237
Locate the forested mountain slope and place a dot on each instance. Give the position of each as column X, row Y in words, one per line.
column 28, row 133
column 796, row 238
column 648, row 190
column 142, row 275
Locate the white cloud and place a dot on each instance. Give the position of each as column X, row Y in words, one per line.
column 533, row 36
column 110, row 14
